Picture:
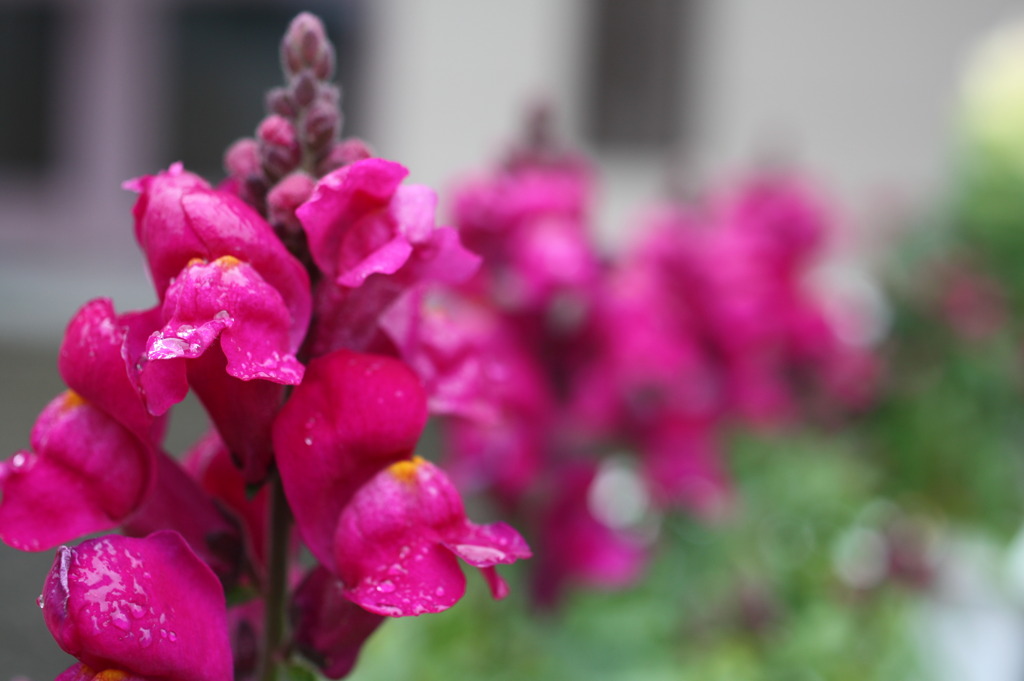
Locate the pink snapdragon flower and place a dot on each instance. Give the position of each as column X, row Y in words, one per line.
column 475, row 370
column 179, row 218
column 94, row 361
column 575, row 546
column 529, row 222
column 96, row 461
column 235, row 310
column 145, row 609
column 85, row 473
column 388, row 524
column 361, row 221
column 374, row 239
column 397, row 542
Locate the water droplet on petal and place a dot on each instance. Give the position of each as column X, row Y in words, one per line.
column 308, row 441
column 40, row 602
column 439, row 591
column 136, row 610
column 172, row 637
column 385, row 587
column 120, row 620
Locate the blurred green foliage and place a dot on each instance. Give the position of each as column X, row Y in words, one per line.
column 752, row 595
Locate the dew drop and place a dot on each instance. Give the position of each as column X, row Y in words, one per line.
column 172, row 637
column 40, row 602
column 18, row 461
column 119, row 620
column 136, row 610
column 385, row 587
column 308, row 441
column 439, row 591
column 145, row 638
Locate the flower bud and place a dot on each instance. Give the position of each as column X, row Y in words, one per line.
column 253, row 190
column 285, row 197
column 322, row 124
column 280, row 102
column 342, row 154
column 305, row 45
column 277, row 130
column 303, row 88
column 279, row 149
column 242, row 158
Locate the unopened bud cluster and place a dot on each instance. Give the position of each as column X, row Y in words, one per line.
column 298, row 141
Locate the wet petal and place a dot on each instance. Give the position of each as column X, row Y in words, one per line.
column 347, row 219
column 86, row 473
column 397, row 541
column 227, row 298
column 353, row 415
column 178, row 218
column 147, row 606
column 177, row 502
column 94, row 362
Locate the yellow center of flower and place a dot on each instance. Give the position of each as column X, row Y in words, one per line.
column 72, row 400
column 227, row 262
column 405, row 471
column 111, row 675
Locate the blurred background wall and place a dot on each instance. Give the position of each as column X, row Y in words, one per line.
column 860, row 93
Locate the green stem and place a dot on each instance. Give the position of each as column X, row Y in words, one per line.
column 277, row 584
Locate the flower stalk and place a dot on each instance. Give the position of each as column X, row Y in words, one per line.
column 276, row 596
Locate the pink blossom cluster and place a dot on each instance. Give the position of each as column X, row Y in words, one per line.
column 558, row 365
column 320, row 315
column 275, row 293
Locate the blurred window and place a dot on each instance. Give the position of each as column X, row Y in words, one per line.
column 26, row 71
column 225, row 58
column 637, row 78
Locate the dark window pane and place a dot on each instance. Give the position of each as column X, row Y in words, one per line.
column 225, row 58
column 636, row 76
column 26, row 71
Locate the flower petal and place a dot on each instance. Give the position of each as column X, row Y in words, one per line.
column 177, row 502
column 93, row 362
column 397, row 540
column 80, row 672
column 242, row 411
column 329, row 628
column 145, row 606
column 87, row 474
column 178, row 217
column 346, row 218
column 228, row 298
column 352, row 415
